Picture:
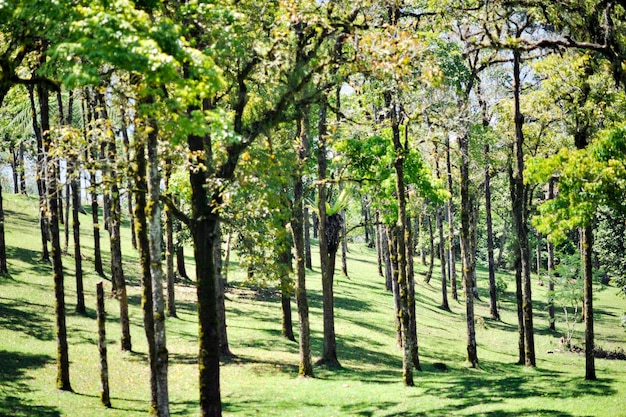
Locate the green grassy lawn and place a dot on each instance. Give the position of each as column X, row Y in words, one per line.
column 262, row 380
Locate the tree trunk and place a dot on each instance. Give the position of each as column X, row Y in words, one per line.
column 307, row 239
column 379, row 249
column 14, row 168
column 451, row 247
column 143, row 247
column 410, row 253
column 78, row 261
column 392, row 242
column 180, row 256
column 102, row 347
column 520, row 219
column 344, row 245
column 442, row 257
column 385, row 240
column 204, row 225
column 587, row 246
column 220, row 290
column 431, row 259
column 41, row 179
column 169, row 249
column 400, row 151
column 284, row 260
column 88, row 109
column 493, row 301
column 156, row 270
column 4, row 270
column 329, row 228
column 550, row 250
column 22, row 169
column 466, row 247
column 114, row 223
column 298, row 227
column 63, row 363
column 129, row 184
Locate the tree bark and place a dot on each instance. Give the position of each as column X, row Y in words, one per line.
column 298, row 222
column 143, row 247
column 41, row 179
column 409, row 345
column 78, row 261
column 204, row 225
column 442, row 257
column 63, row 363
column 4, row 270
column 392, row 242
column 284, row 260
column 379, row 249
column 307, row 239
column 450, row 207
column 493, row 301
column 520, row 219
column 156, row 271
column 385, row 241
column 329, row 228
column 587, row 246
column 91, row 154
column 431, row 254
column 169, row 248
column 105, row 397
column 22, row 169
column 220, row 290
column 114, row 223
column 466, row 247
column 550, row 250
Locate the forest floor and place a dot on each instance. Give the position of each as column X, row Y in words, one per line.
column 262, row 379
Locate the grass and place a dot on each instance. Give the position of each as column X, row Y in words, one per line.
column 262, row 380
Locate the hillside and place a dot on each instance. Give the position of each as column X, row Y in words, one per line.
column 262, row 379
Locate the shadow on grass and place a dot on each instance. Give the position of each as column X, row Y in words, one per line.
column 27, row 318
column 29, row 257
column 13, row 367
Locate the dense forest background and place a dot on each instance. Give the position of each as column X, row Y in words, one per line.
column 466, row 136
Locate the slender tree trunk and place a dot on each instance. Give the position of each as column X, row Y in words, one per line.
column 442, row 257
column 409, row 345
column 344, row 245
column 67, row 205
column 307, row 239
column 298, row 227
column 88, row 107
column 41, row 179
column 410, row 252
column 385, row 240
column 3, row 248
column 22, row 169
column 78, row 261
column 170, row 249
column 420, row 233
column 14, row 168
column 587, row 246
column 550, row 250
column 329, row 228
column 493, row 301
column 520, row 219
column 156, row 270
column 284, row 260
column 63, row 363
column 129, row 184
column 143, row 247
column 114, row 223
column 466, row 247
column 102, row 347
column 431, row 259
column 518, row 283
column 220, row 290
column 379, row 248
column 392, row 242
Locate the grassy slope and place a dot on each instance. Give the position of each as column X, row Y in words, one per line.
column 261, row 381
